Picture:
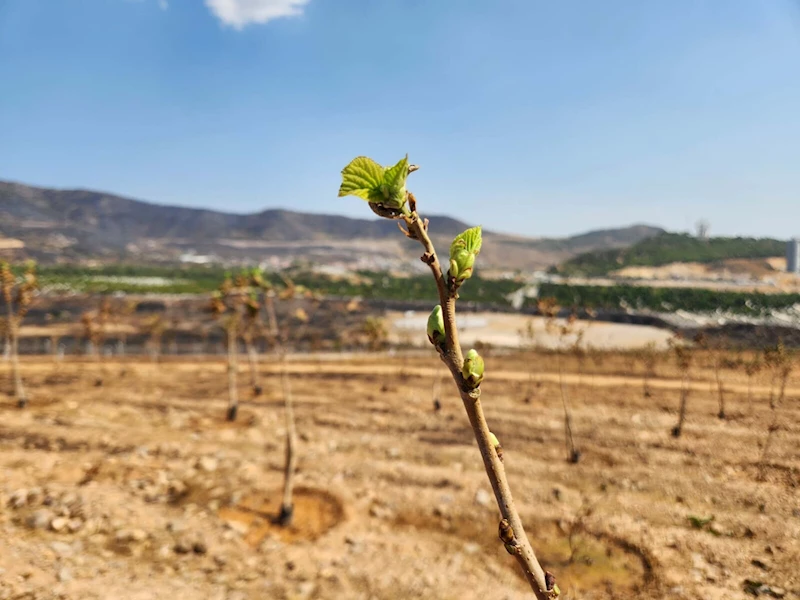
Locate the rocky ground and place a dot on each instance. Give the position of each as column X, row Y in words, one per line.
column 122, row 480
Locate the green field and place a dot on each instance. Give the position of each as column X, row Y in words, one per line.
column 384, row 286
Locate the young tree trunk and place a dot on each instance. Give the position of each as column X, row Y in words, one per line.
column 721, row 392
column 573, row 454
column 286, row 513
column 19, row 388
column 287, row 505
column 233, row 395
column 252, row 358
column 678, row 429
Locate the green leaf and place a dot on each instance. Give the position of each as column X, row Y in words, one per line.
column 364, row 178
column 395, row 180
column 469, row 240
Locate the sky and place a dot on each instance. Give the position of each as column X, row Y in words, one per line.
column 534, row 117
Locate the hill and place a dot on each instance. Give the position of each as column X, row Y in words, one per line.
column 79, row 225
column 668, row 248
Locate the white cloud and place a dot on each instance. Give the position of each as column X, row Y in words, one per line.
column 238, row 13
column 163, row 4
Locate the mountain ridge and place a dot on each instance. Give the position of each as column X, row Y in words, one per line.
column 80, row 224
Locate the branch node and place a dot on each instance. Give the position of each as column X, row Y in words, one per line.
column 405, row 231
column 506, row 534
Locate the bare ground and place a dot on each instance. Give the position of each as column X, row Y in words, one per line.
column 122, row 480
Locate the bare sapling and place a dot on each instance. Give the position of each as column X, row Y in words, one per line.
column 719, row 362
column 576, row 529
column 279, row 338
column 153, row 328
column 752, row 368
column 648, row 355
column 18, row 295
column 683, row 359
column 225, row 307
column 549, row 308
column 779, row 362
column 384, row 188
column 528, row 342
column 252, row 328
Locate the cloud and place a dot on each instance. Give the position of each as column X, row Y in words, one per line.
column 238, row 13
column 163, row 4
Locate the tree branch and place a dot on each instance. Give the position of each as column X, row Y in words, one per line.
column 512, row 532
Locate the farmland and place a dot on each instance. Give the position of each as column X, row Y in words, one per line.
column 122, row 479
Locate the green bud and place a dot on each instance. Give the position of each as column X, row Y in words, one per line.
column 497, row 447
column 463, row 251
column 473, row 369
column 436, row 333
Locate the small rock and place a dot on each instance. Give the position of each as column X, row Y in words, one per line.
column 138, row 535
column 482, row 497
column 123, row 536
column 208, row 464
column 19, row 498
column 59, row 524
column 472, row 548
column 238, row 526
column 64, row 575
column 182, row 547
column 74, row 525
column 393, row 453
column 306, row 589
column 40, row 519
column 61, row 548
column 176, row 526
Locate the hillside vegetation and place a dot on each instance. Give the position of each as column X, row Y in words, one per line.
column 670, row 248
column 663, row 299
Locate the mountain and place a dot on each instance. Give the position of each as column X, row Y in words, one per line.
column 78, row 225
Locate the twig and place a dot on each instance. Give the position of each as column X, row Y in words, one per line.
column 512, row 532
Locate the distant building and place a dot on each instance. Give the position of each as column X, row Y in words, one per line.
column 793, row 256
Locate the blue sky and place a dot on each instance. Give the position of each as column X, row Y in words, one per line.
column 529, row 116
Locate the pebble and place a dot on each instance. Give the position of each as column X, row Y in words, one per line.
column 40, row 519
column 19, row 498
column 61, row 548
column 208, row 464
column 64, row 575
column 59, row 523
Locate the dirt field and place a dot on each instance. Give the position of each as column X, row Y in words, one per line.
column 121, row 480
